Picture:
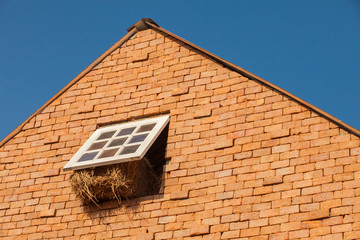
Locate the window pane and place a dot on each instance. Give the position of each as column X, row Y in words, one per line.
column 130, row 149
column 98, row 145
column 88, row 156
column 106, row 135
column 109, row 153
column 126, row 131
column 146, row 128
column 138, row 138
column 118, row 142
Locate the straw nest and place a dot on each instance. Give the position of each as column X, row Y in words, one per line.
column 120, row 181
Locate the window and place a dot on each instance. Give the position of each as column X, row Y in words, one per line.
column 118, row 143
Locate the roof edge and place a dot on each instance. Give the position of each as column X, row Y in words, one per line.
column 263, row 81
column 131, row 31
column 147, row 23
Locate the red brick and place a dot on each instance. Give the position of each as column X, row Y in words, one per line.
column 230, row 234
column 330, row 203
column 273, row 180
column 199, row 230
column 249, row 232
column 290, row 209
column 179, row 195
column 280, row 133
column 164, row 235
column 51, row 172
column 299, row 234
column 311, row 190
column 281, row 148
column 319, row 214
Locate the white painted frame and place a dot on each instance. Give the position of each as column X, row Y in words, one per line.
column 160, row 122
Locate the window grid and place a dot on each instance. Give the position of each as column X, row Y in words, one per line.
column 115, row 136
column 102, row 149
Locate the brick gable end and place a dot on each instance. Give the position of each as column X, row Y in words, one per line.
column 245, row 161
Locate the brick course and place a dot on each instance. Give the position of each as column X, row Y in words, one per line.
column 244, row 160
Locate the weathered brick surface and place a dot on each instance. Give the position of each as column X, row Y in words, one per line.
column 245, row 162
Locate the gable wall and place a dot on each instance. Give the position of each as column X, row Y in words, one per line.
column 244, row 161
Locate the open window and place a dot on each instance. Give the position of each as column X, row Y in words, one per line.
column 120, row 161
column 118, row 143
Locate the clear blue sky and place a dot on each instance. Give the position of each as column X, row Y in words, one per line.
column 309, row 48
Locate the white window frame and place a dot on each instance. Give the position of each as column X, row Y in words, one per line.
column 160, row 122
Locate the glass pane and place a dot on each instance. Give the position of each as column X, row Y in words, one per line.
column 138, row 138
column 126, row 131
column 109, row 153
column 146, row 128
column 106, row 135
column 118, row 142
column 98, row 145
column 88, row 156
column 130, row 149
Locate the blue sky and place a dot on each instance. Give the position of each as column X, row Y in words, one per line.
column 309, row 48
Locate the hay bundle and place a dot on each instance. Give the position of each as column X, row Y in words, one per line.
column 120, row 181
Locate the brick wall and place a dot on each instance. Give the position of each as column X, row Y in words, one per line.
column 245, row 162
